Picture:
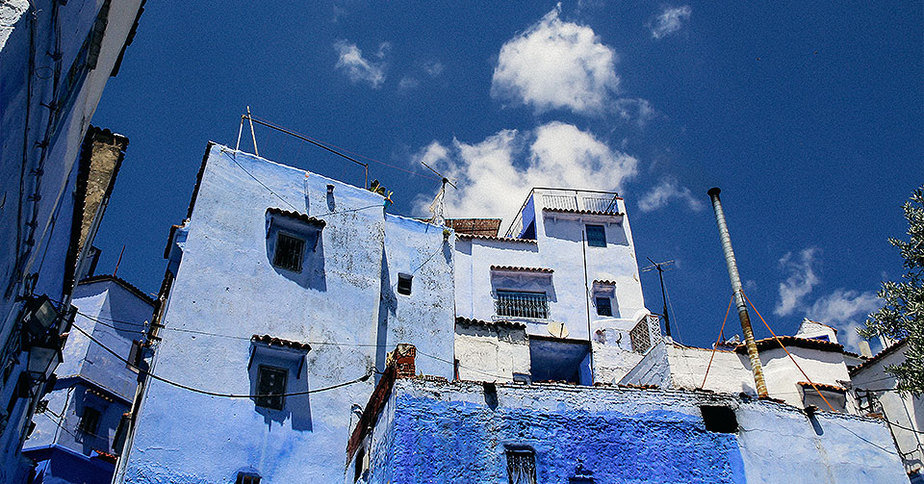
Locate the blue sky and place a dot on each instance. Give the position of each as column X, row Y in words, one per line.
column 808, row 116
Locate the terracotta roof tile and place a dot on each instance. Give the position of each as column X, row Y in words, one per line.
column 604, row 282
column 793, row 341
column 583, row 212
column 542, row 270
column 824, row 386
column 475, row 226
column 499, row 239
column 297, row 216
column 271, row 341
column 492, row 324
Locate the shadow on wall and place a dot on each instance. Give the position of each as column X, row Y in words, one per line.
column 281, row 374
column 388, row 305
column 295, row 250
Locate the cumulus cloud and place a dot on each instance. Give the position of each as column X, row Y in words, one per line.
column 556, row 65
column 667, row 190
column 670, row 20
column 359, row 69
column 800, row 281
column 495, row 175
column 846, row 309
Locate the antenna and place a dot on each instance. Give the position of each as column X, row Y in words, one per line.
column 436, row 207
column 660, row 267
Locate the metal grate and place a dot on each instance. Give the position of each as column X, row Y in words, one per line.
column 639, row 336
column 271, row 385
column 521, row 466
column 289, row 252
column 522, row 304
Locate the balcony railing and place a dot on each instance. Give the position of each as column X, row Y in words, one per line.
column 534, row 305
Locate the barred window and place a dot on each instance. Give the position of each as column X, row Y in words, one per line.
column 522, row 304
column 596, row 236
column 271, row 385
column 521, row 466
column 89, row 421
column 289, row 251
column 247, row 478
column 604, row 306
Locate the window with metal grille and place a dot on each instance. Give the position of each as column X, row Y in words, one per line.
column 289, row 252
column 271, row 385
column 522, row 304
column 404, row 283
column 521, row 466
column 247, row 478
column 596, row 236
column 604, row 306
column 89, row 421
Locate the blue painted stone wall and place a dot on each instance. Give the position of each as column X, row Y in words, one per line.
column 448, row 432
column 227, row 289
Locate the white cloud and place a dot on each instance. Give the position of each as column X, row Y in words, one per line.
column 408, row 82
column 556, row 65
column 846, row 309
column 637, row 109
column 670, row 20
column 495, row 175
column 433, row 68
column 800, row 281
column 358, row 68
column 666, row 190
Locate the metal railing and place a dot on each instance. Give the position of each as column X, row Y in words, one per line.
column 517, row 304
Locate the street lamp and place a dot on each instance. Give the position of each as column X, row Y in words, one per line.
column 40, row 315
column 43, row 359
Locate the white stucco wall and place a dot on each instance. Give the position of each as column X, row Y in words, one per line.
column 491, row 352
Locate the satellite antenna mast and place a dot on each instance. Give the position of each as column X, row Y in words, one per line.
column 436, row 208
column 660, row 267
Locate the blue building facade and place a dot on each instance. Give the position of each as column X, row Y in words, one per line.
column 78, row 425
column 282, row 281
column 56, row 58
column 426, row 430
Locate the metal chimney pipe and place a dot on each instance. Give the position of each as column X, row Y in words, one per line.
column 753, row 355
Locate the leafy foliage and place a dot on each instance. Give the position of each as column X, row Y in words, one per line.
column 902, row 315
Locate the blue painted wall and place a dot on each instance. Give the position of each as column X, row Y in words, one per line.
column 448, row 432
column 227, row 289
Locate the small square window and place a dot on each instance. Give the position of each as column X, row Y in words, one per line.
column 89, row 421
column 719, row 419
column 521, row 466
column 596, row 236
column 271, row 385
column 604, row 306
column 404, row 284
column 247, row 478
column 289, row 252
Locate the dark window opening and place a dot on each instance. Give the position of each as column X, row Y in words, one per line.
column 596, row 236
column 604, row 306
column 530, row 232
column 247, row 478
column 404, row 283
column 521, row 466
column 271, row 385
column 289, row 251
column 89, row 421
column 719, row 419
column 522, row 304
column 581, row 480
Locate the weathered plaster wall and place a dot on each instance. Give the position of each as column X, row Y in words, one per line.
column 491, row 352
column 446, row 432
column 226, row 285
column 904, row 411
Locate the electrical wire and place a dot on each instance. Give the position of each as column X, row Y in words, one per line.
column 717, row 341
column 214, row 393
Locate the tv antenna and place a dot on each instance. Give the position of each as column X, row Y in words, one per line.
column 436, row 207
column 660, row 267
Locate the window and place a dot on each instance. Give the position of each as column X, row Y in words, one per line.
column 404, row 283
column 604, row 307
column 89, row 421
column 271, row 385
column 719, row 419
column 596, row 236
column 289, row 251
column 521, row 466
column 522, row 304
column 247, row 478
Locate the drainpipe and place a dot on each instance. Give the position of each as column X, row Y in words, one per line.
column 753, row 355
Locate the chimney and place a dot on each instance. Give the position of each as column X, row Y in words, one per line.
column 865, row 350
column 403, row 360
column 740, row 304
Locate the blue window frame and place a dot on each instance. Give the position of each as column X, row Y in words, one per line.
column 596, row 236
